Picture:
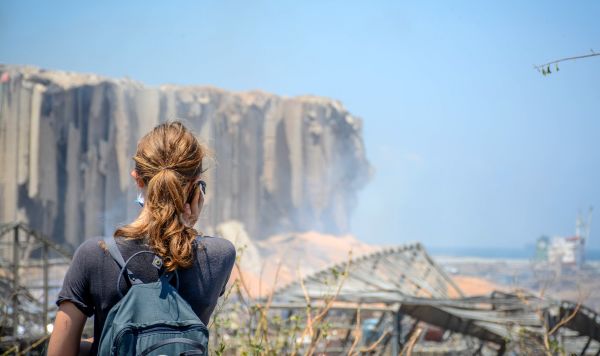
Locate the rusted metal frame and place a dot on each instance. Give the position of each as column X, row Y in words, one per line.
column 21, row 251
column 406, row 274
column 372, row 281
column 438, row 280
column 40, row 264
column 355, row 262
column 6, row 228
column 376, row 260
column 44, row 239
column 384, row 272
column 333, row 307
column 358, row 273
column 415, row 249
column 443, row 274
column 436, row 289
column 412, row 278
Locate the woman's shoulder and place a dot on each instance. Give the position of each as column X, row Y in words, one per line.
column 217, row 246
column 89, row 253
column 92, row 246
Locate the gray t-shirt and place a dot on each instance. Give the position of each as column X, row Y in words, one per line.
column 91, row 281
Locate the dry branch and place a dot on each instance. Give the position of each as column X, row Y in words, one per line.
column 407, row 349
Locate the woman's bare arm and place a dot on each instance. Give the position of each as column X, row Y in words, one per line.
column 66, row 334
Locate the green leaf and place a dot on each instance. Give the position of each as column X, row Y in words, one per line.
column 335, row 272
column 556, row 68
column 548, row 70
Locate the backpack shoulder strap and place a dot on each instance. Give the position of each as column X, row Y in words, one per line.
column 115, row 253
column 197, row 241
column 113, row 249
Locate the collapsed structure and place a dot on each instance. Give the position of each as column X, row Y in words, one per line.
column 396, row 297
column 32, row 268
column 66, row 142
column 397, row 291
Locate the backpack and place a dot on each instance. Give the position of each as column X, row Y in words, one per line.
column 152, row 318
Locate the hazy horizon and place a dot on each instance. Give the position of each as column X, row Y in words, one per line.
column 470, row 145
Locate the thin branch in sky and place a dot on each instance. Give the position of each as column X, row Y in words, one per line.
column 545, row 68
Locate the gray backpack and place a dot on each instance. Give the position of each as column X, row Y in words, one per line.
column 152, row 318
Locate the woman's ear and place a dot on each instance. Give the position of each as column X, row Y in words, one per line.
column 138, row 180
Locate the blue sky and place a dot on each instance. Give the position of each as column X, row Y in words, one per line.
column 471, row 146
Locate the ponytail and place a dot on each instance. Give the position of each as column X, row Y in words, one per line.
column 167, row 159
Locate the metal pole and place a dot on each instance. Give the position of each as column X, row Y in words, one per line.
column 502, row 349
column 478, row 352
column 349, row 332
column 15, row 300
column 396, row 334
column 46, row 267
column 587, row 344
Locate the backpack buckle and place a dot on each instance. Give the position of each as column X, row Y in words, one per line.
column 157, row 262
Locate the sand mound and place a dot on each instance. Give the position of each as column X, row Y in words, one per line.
column 289, row 256
column 475, row 286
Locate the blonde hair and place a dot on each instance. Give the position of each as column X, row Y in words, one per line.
column 167, row 159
